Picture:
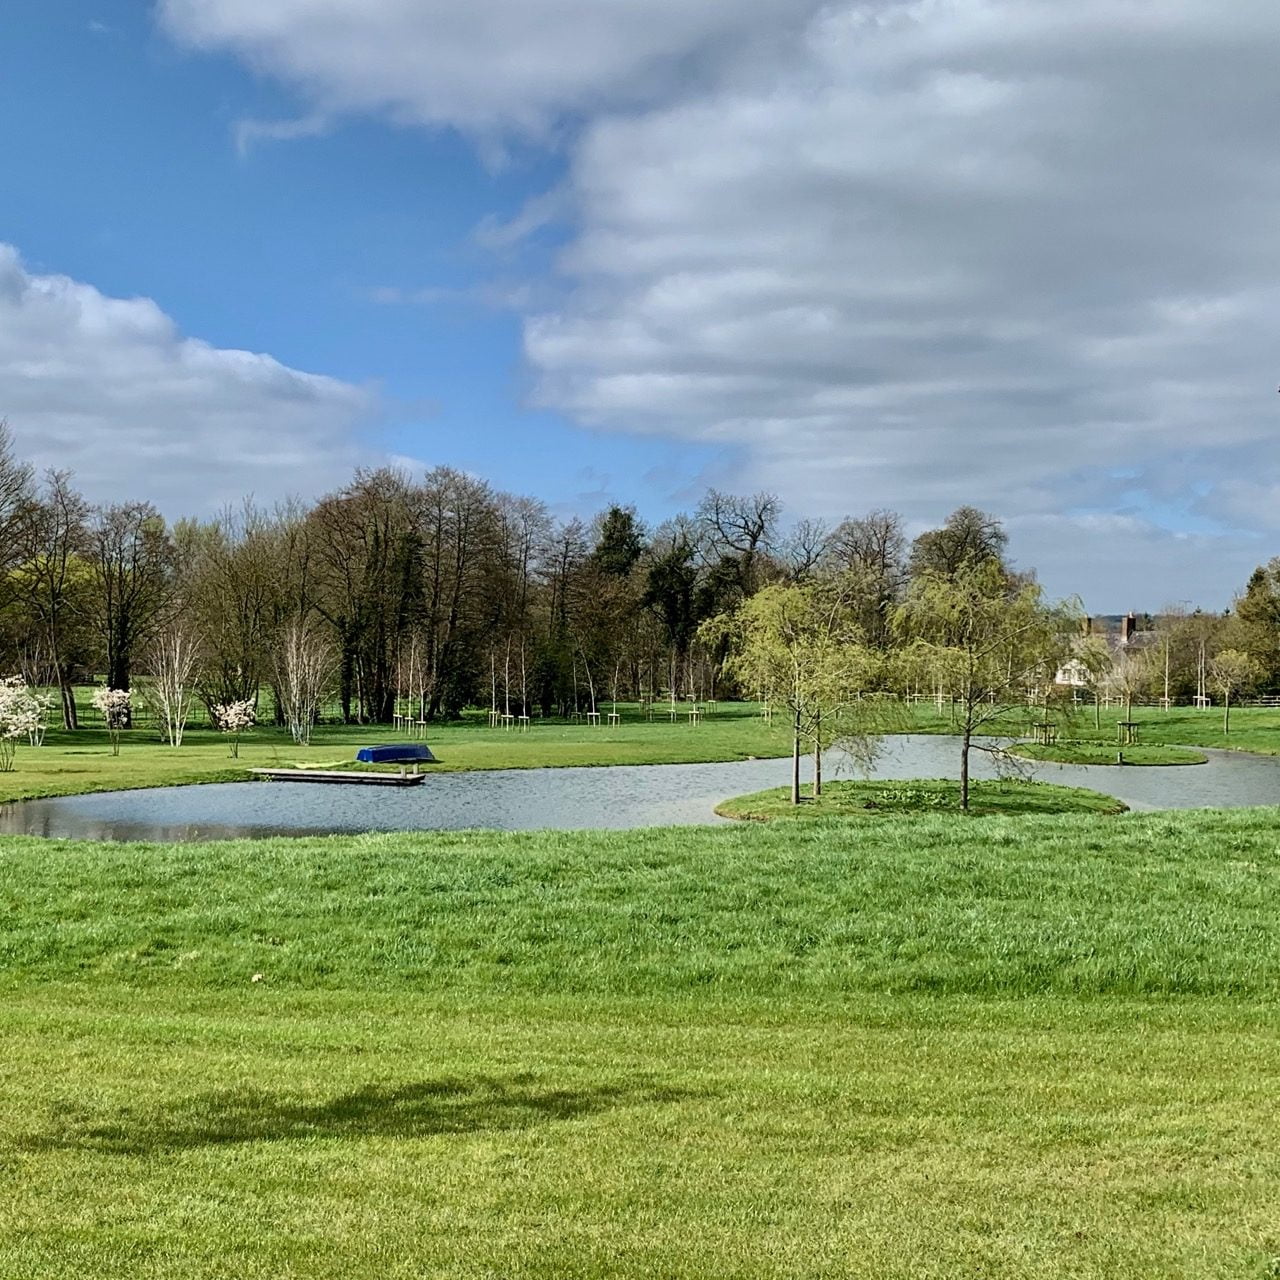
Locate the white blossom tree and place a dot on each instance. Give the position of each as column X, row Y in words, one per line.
column 234, row 719
column 116, row 706
column 20, row 716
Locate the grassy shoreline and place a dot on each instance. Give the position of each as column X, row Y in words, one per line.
column 1253, row 729
column 860, row 800
column 1108, row 755
column 1163, row 904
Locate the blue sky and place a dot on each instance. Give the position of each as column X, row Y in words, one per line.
column 127, row 174
column 864, row 254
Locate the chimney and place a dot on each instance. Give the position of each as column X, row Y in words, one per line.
column 1130, row 625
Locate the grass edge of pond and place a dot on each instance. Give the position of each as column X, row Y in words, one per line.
column 1155, row 755
column 863, row 799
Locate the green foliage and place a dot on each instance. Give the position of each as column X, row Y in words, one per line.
column 799, row 645
column 620, row 543
column 989, row 641
column 1258, row 620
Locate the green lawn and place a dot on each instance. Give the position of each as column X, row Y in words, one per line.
column 1107, row 753
column 71, row 763
column 1252, row 728
column 860, row 799
column 1022, row 1047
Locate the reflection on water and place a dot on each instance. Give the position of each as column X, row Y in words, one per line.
column 528, row 799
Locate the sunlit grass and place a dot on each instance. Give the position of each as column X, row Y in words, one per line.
column 918, row 1047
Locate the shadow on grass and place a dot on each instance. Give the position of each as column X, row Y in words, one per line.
column 404, row 1111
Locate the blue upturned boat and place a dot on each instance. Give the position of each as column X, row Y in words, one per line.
column 401, row 753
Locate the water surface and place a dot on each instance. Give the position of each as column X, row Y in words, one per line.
column 619, row 796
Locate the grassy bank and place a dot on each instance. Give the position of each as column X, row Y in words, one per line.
column 863, row 800
column 1107, row 753
column 1034, row 1047
column 1132, row 905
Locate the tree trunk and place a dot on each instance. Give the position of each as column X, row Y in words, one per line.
column 1226, row 715
column 795, row 759
column 68, row 695
column 277, row 705
column 118, row 670
column 817, row 757
column 1097, row 712
column 346, row 677
column 118, row 678
column 964, row 771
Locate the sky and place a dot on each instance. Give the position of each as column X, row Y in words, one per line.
column 863, row 254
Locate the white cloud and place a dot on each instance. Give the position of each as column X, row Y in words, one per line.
column 900, row 252
column 962, row 251
column 1117, row 562
column 109, row 388
column 484, row 65
column 249, row 132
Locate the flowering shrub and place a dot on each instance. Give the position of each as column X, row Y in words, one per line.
column 115, row 705
column 21, row 715
column 233, row 719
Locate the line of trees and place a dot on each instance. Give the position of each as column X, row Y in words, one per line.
column 426, row 594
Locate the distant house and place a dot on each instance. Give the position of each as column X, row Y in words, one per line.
column 1121, row 635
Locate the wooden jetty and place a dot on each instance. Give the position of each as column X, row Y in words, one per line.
column 339, row 776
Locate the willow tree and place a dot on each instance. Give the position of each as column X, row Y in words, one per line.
column 986, row 637
column 798, row 644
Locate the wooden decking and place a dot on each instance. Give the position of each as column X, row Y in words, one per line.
column 352, row 778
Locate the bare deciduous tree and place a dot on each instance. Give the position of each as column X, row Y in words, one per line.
column 1231, row 672
column 131, row 555
column 50, row 580
column 304, row 670
column 15, row 505
column 174, row 658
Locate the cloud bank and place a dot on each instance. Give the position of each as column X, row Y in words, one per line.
column 1010, row 252
column 109, row 388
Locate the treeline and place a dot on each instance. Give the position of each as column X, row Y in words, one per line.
column 436, row 590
